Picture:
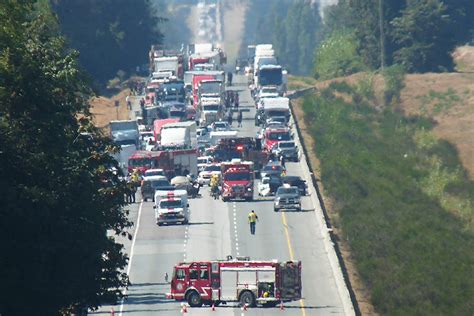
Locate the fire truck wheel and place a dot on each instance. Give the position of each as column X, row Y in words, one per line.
column 194, row 299
column 224, row 199
column 247, row 298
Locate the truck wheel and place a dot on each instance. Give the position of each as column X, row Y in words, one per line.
column 275, row 209
column 224, row 199
column 194, row 299
column 249, row 198
column 247, row 298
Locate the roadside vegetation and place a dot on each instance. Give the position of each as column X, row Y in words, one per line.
column 404, row 201
column 62, row 206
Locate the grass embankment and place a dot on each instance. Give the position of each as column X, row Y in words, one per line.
column 405, row 205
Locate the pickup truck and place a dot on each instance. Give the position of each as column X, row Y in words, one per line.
column 287, row 198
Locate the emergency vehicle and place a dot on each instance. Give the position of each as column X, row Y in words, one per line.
column 275, row 135
column 173, row 162
column 171, row 207
column 237, row 180
column 236, row 280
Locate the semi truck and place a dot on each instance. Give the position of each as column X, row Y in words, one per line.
column 237, row 180
column 181, row 135
column 249, row 282
column 124, row 132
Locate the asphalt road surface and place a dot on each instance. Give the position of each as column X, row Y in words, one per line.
column 217, row 229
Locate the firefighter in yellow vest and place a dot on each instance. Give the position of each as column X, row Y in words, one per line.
column 253, row 218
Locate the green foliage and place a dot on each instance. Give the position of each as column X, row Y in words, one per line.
column 110, row 34
column 396, row 190
column 394, row 77
column 442, row 101
column 59, row 198
column 419, row 34
column 337, row 57
column 295, row 28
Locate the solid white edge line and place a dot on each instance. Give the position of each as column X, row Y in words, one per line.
column 132, row 248
column 336, row 268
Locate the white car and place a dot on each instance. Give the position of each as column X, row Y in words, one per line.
column 203, row 161
column 263, row 187
column 204, row 177
column 220, row 126
column 154, row 172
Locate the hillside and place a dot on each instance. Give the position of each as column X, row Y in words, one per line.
column 394, row 184
column 445, row 98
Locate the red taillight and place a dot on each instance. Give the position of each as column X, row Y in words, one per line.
column 240, row 147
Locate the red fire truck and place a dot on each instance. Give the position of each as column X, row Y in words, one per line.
column 173, row 162
column 241, row 280
column 237, row 180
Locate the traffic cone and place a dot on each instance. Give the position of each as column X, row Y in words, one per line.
column 213, row 308
column 282, row 308
column 184, row 308
column 244, row 307
column 112, row 312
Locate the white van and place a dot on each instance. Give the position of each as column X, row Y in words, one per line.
column 171, row 207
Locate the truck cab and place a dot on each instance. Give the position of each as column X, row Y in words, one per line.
column 275, row 135
column 237, row 180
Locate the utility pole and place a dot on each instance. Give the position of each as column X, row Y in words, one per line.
column 382, row 36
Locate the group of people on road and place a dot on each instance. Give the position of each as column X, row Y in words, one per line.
column 133, row 182
column 230, row 118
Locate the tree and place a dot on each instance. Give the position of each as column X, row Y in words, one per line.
column 110, row 34
column 60, row 195
column 424, row 33
column 337, row 56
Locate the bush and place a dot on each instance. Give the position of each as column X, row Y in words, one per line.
column 394, row 82
column 414, row 255
column 337, row 56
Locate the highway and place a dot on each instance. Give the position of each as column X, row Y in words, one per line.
column 218, row 229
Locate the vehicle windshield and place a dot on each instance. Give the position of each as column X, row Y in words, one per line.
column 177, row 113
column 124, row 142
column 213, row 168
column 279, row 136
column 160, row 183
column 139, row 162
column 269, row 90
column 154, row 173
column 123, row 126
column 210, row 87
column 170, row 204
column 287, row 191
column 269, row 77
column 220, row 125
column 273, row 167
column 244, row 176
column 286, row 145
column 202, row 160
column 212, row 107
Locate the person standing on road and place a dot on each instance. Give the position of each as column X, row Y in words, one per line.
column 239, row 119
column 253, row 218
column 283, row 161
column 229, row 118
column 128, row 101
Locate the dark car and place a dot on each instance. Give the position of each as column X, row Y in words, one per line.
column 296, row 181
column 287, row 149
column 274, row 183
column 153, row 183
column 272, row 169
column 287, row 198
